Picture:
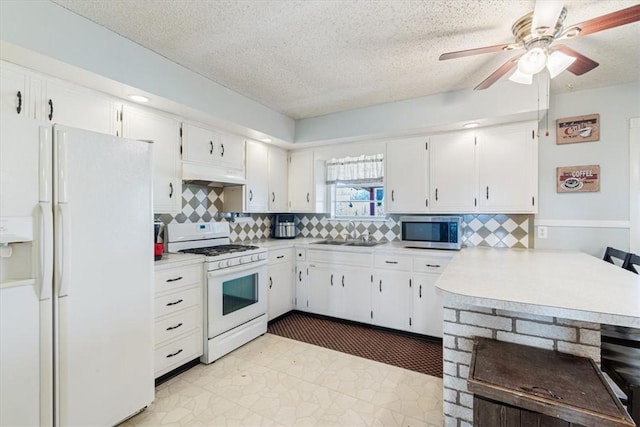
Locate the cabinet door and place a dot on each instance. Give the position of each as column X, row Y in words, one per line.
column 301, row 296
column 257, row 177
column 164, row 131
column 391, row 295
column 319, row 289
column 280, row 289
column 14, row 93
column 407, row 192
column 200, row 145
column 507, row 169
column 230, row 151
column 80, row 108
column 301, row 182
column 453, row 173
column 355, row 295
column 278, row 172
column 427, row 306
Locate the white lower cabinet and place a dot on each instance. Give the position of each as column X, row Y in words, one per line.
column 427, row 303
column 281, row 292
column 301, row 299
column 392, row 299
column 319, row 290
column 178, row 315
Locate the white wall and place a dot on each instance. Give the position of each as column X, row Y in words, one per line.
column 589, row 221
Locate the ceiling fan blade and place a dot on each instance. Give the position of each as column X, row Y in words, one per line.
column 478, row 51
column 545, row 16
column 497, row 74
column 581, row 65
column 604, row 22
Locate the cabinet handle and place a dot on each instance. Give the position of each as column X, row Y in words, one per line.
column 175, row 279
column 487, row 192
column 50, row 110
column 221, row 150
column 273, row 197
column 380, row 285
column 420, row 292
column 436, row 194
column 280, row 257
column 170, row 189
column 372, row 278
column 19, row 107
column 174, row 303
column 171, row 328
column 343, row 281
column 393, row 199
column 391, row 262
column 332, row 280
column 270, row 282
column 211, row 149
column 307, row 197
column 174, row 354
column 409, row 282
column 432, row 265
column 300, row 276
column 250, row 195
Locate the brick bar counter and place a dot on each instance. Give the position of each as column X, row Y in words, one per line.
column 554, row 300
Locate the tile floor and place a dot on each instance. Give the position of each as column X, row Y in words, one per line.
column 275, row 381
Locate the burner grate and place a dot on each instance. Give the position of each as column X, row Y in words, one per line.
column 219, row 250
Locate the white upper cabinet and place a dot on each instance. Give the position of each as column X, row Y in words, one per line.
column 278, row 173
column 15, row 96
column 301, row 182
column 507, row 169
column 406, row 178
column 212, row 155
column 257, row 188
column 164, row 131
column 453, row 173
column 78, row 107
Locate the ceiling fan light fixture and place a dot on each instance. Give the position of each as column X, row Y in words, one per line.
column 533, row 61
column 558, row 62
column 520, row 77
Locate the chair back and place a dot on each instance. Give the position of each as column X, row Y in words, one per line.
column 631, row 263
column 612, row 254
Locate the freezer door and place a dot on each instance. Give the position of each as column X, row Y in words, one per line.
column 103, row 277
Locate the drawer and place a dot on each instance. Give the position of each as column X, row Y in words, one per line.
column 280, row 255
column 177, row 277
column 176, row 353
column 301, row 254
column 176, row 301
column 178, row 324
column 340, row 257
column 393, row 262
column 430, row 264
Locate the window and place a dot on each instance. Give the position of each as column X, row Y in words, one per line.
column 356, row 185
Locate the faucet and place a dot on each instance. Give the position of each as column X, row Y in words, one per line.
column 351, row 234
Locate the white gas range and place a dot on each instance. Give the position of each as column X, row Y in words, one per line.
column 236, row 285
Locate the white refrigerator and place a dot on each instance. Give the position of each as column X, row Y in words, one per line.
column 76, row 284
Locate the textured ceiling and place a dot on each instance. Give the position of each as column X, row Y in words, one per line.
column 314, row 57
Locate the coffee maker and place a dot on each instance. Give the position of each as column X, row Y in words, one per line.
column 283, row 226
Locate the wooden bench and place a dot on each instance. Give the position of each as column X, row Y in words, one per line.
column 518, row 386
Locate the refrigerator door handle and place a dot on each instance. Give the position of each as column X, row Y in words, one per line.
column 63, row 256
column 46, row 250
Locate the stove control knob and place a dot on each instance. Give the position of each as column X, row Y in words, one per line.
column 255, row 257
column 222, row 264
column 232, row 262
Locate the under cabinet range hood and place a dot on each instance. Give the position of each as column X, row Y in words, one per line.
column 214, row 176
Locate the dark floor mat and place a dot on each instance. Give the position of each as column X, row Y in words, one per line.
column 409, row 352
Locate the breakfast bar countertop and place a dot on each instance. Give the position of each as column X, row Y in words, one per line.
column 567, row 284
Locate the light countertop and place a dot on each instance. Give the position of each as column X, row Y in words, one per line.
column 172, row 260
column 567, row 284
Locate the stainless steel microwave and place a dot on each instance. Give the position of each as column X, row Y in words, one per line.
column 432, row 232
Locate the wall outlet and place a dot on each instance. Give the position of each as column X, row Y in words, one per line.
column 542, row 232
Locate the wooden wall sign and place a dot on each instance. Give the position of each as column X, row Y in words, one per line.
column 578, row 129
column 578, row 179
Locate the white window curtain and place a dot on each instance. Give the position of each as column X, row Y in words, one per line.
column 355, row 170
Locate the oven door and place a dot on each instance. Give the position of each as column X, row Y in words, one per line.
column 235, row 296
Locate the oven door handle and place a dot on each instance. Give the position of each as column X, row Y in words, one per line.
column 236, row 268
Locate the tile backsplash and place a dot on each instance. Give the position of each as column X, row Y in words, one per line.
column 204, row 204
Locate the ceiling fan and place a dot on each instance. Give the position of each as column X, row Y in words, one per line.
column 536, row 33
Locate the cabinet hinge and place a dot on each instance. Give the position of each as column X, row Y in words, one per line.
column 372, row 314
column 426, row 146
column 372, row 278
column 180, row 131
column 307, row 303
column 533, row 201
column 121, row 119
column 409, row 282
column 475, row 140
column 475, row 202
column 409, row 321
column 426, row 202
column 533, row 134
column 180, row 150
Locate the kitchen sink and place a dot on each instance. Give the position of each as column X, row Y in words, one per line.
column 347, row 243
column 331, row 242
column 365, row 244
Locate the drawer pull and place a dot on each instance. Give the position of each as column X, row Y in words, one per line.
column 300, row 276
column 174, row 303
column 174, row 279
column 270, row 283
column 174, row 354
column 171, row 328
column 391, row 262
column 280, row 257
column 432, row 265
